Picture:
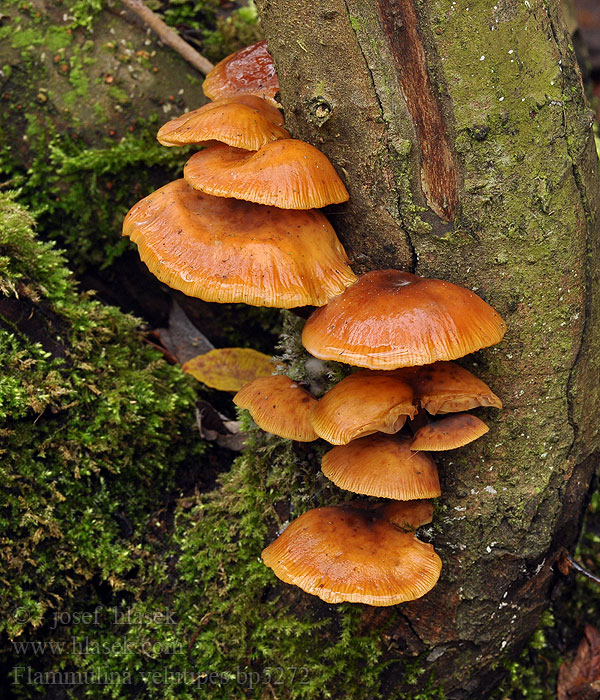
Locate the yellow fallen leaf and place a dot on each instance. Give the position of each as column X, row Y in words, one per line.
column 229, row 369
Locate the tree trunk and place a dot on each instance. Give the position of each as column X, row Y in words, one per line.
column 461, row 131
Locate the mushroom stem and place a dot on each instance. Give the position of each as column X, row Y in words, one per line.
column 168, row 36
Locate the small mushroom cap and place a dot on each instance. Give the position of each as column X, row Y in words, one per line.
column 445, row 387
column 383, row 466
column 391, row 319
column 288, row 174
column 246, row 122
column 363, row 403
column 229, row 369
column 248, row 71
column 227, row 250
column 449, row 433
column 280, row 406
column 356, row 554
column 407, row 515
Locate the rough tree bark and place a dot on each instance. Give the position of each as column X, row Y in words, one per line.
column 462, row 134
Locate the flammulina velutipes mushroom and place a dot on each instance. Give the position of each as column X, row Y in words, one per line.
column 404, row 331
column 243, row 226
column 358, row 552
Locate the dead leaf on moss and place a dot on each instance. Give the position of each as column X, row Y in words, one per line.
column 182, row 339
column 229, row 369
column 215, row 427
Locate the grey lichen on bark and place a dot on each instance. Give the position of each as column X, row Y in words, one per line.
column 524, row 237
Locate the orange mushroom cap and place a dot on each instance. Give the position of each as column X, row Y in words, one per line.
column 445, row 387
column 246, row 122
column 357, row 553
column 250, row 70
column 280, row 406
column 227, row 250
column 288, row 174
column 449, row 433
column 383, row 466
column 229, row 369
column 391, row 319
column 363, row 403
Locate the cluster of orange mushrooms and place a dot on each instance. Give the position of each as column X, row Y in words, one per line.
column 243, row 226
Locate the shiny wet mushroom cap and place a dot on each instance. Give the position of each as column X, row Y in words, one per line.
column 392, row 319
column 363, row 403
column 248, row 71
column 246, row 122
column 449, row 432
column 287, row 173
column 445, row 387
column 227, row 250
column 356, row 553
column 383, row 466
column 279, row 406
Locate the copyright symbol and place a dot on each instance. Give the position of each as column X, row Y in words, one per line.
column 21, row 615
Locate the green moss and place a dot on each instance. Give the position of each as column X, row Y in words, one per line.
column 220, row 35
column 80, row 195
column 414, row 674
column 231, row 632
column 26, row 38
column 94, row 426
column 80, row 81
column 356, row 23
column 58, row 38
column 533, row 675
column 241, row 28
column 84, row 12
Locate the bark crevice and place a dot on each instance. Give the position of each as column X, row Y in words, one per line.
column 385, row 143
column 400, row 24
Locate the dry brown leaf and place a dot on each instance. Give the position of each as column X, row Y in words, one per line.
column 182, row 339
column 580, row 680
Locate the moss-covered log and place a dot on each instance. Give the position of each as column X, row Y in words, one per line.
column 462, row 133
column 83, row 90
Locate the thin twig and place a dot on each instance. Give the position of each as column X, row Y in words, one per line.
column 581, row 570
column 168, row 36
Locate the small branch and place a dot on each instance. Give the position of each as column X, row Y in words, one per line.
column 566, row 563
column 585, row 572
column 168, row 36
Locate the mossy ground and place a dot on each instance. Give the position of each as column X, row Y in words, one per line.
column 95, row 425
